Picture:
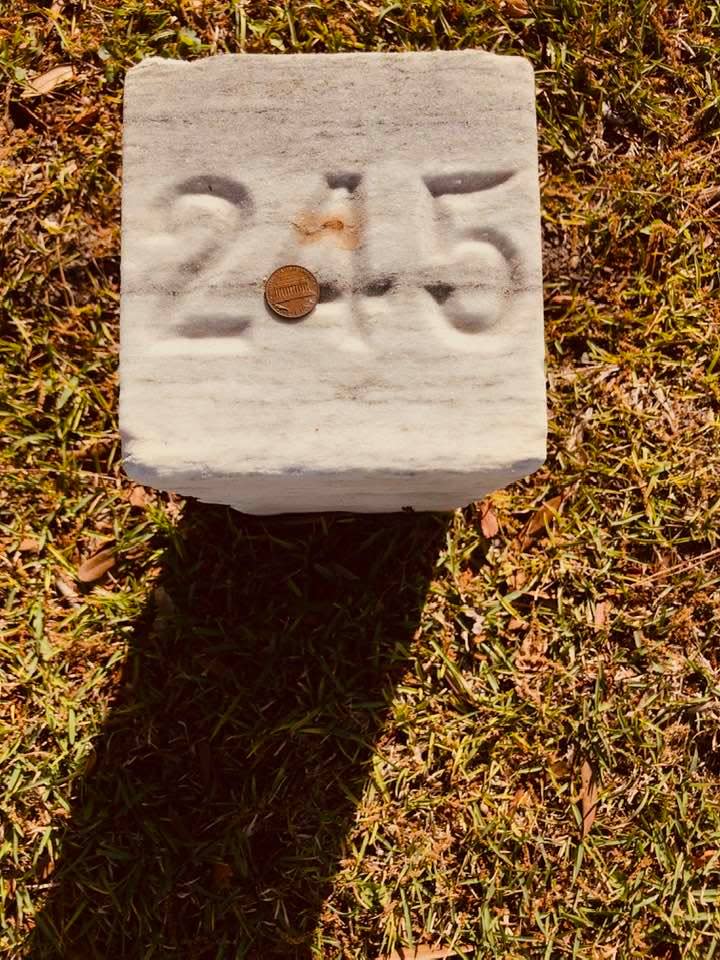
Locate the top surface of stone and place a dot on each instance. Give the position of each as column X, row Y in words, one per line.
column 408, row 185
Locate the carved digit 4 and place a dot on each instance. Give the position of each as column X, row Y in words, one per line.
column 327, row 232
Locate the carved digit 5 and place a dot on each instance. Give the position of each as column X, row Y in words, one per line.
column 479, row 264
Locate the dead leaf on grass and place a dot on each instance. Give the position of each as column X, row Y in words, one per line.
column 164, row 603
column 602, row 614
column 173, row 507
column 222, row 874
column 560, row 769
column 517, row 8
column 531, row 654
column 488, row 519
column 46, row 870
column 29, row 545
column 67, row 590
column 83, row 117
column 588, row 797
column 425, row 952
column 164, row 611
column 47, row 82
column 96, row 566
column 709, row 196
column 541, row 520
column 699, row 860
column 138, row 496
column 531, row 662
column 517, row 579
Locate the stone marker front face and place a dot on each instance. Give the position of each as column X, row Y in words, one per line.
column 408, row 185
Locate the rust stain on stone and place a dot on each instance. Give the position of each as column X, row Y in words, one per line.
column 338, row 228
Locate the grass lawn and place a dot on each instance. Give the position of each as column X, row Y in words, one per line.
column 496, row 732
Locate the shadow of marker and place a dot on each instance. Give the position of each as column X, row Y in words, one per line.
column 216, row 812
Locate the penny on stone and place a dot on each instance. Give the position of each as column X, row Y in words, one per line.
column 292, row 291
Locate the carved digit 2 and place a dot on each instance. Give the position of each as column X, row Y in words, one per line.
column 206, row 212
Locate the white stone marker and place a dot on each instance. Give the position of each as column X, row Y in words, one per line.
column 408, row 184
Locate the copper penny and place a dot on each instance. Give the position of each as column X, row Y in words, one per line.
column 292, row 291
